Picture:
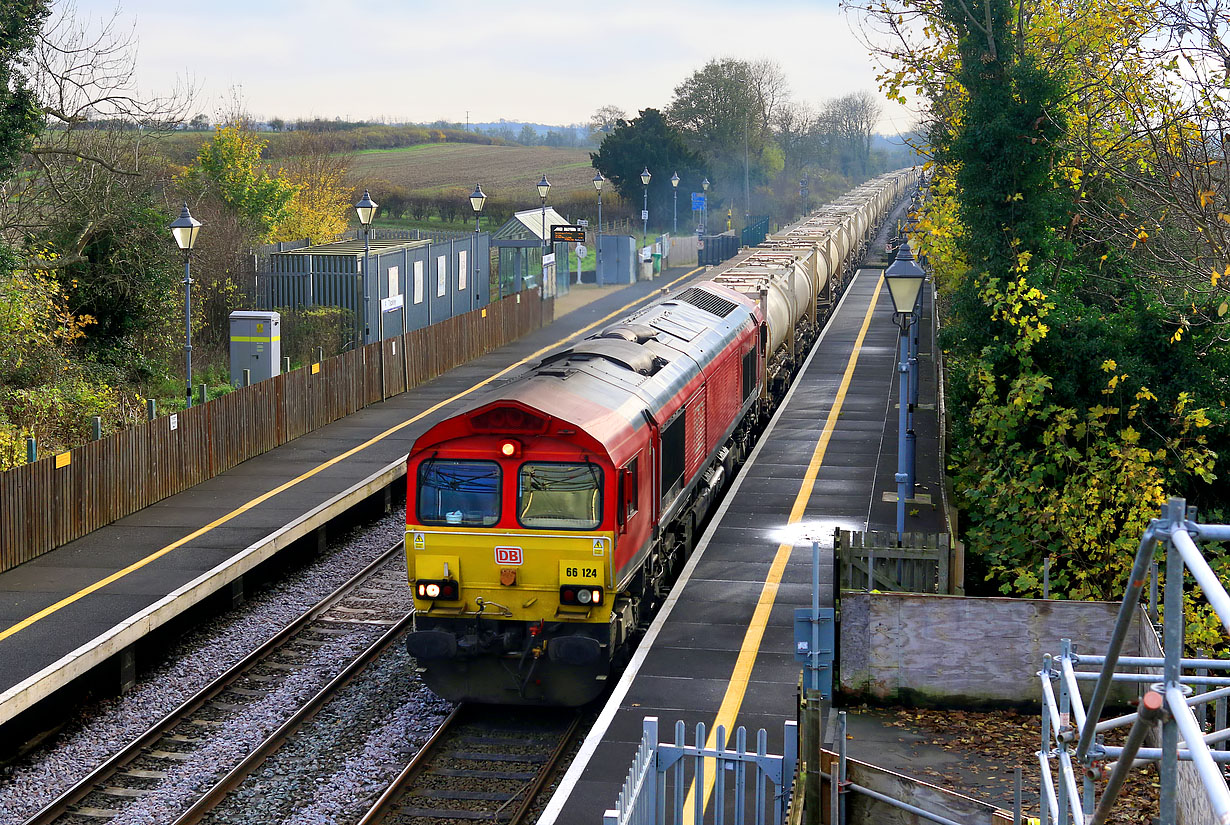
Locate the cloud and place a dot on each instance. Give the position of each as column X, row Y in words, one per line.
column 426, row 61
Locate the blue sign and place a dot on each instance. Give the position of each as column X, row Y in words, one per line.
column 698, row 201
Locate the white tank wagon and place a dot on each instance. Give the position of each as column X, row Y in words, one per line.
column 794, row 274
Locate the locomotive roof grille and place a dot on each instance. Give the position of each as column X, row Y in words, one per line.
column 707, row 301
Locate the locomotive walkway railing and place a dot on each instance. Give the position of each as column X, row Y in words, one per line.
column 662, row 773
column 1072, row 755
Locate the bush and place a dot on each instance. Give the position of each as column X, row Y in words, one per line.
column 303, row 330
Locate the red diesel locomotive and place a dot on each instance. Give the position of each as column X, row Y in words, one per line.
column 545, row 519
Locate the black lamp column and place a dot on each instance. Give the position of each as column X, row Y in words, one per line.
column 185, row 229
column 477, row 200
column 366, row 209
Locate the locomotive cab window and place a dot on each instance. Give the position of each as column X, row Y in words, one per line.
column 629, row 489
column 462, row 493
column 560, row 495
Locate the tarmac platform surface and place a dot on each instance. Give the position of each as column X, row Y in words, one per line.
column 68, row 610
column 720, row 650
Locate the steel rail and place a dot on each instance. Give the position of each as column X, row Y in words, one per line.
column 257, row 757
column 59, row 807
column 379, row 808
column 382, row 809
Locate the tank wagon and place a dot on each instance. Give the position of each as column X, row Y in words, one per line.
column 547, row 519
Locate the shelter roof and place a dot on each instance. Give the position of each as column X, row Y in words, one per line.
column 354, row 248
column 529, row 224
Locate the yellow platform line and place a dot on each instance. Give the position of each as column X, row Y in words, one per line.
column 246, row 506
column 728, row 711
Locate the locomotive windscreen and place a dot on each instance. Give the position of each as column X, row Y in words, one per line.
column 459, row 492
column 560, row 495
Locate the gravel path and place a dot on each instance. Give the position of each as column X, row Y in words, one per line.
column 100, row 729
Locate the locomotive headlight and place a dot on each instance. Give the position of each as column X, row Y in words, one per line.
column 584, row 596
column 446, row 589
column 597, row 599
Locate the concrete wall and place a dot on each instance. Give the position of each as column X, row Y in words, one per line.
column 953, row 650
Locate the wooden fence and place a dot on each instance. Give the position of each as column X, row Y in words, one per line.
column 920, row 565
column 60, row 498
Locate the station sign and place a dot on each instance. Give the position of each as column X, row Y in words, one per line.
column 698, row 201
column 392, row 303
column 568, row 233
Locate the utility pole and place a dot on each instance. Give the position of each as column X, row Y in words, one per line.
column 747, row 186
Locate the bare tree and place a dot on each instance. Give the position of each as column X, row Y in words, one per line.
column 605, row 119
column 91, row 154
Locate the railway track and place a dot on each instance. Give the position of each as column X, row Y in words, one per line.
column 484, row 763
column 357, row 615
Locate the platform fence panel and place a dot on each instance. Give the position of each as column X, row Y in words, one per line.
column 918, row 564
column 60, row 498
column 728, row 781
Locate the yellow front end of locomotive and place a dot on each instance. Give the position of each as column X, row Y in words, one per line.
column 523, row 576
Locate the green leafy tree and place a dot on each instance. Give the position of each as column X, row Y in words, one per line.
column 725, row 111
column 648, row 141
column 230, row 163
column 20, row 115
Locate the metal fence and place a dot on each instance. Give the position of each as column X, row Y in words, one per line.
column 671, row 782
column 1073, row 754
column 60, row 498
column 919, row 563
column 755, row 232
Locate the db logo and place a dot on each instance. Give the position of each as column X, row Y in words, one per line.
column 508, row 555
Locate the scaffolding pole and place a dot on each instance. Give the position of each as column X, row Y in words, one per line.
column 1067, row 720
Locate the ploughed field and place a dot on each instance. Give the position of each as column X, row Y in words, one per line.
column 504, row 171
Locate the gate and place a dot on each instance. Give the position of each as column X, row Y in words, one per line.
column 876, row 561
column 663, row 774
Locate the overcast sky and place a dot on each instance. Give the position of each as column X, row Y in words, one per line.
column 424, row 61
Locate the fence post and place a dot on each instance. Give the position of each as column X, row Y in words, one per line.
column 31, row 450
column 320, row 354
column 285, row 364
column 204, row 393
column 247, row 378
column 151, row 409
column 97, row 426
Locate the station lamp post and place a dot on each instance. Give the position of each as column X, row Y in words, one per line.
column 704, row 212
column 366, row 209
column 906, row 253
column 477, row 200
column 675, row 214
column 905, row 280
column 185, row 229
column 598, row 181
column 544, row 186
column 645, row 178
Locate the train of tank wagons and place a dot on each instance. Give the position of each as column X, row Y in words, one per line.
column 548, row 519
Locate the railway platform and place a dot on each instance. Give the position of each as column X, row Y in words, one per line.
column 67, row 612
column 720, row 650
